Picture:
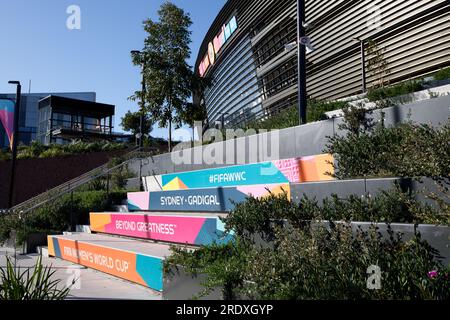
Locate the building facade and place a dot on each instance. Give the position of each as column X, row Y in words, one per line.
column 29, row 114
column 62, row 120
column 250, row 56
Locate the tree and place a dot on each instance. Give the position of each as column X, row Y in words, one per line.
column 192, row 113
column 196, row 110
column 168, row 77
column 377, row 64
column 131, row 123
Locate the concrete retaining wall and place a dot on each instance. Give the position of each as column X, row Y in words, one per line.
column 300, row 141
column 362, row 187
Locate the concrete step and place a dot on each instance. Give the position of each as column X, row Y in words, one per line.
column 180, row 213
column 188, row 229
column 294, row 170
column 42, row 251
column 221, row 199
column 136, row 261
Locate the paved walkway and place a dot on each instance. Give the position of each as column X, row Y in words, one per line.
column 91, row 284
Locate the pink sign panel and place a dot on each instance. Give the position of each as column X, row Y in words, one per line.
column 177, row 229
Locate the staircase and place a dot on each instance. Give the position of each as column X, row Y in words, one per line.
column 183, row 209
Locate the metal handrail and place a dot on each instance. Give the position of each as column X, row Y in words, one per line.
column 71, row 185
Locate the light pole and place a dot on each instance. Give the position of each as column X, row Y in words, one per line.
column 301, row 57
column 14, row 142
column 222, row 119
column 363, row 64
column 141, row 113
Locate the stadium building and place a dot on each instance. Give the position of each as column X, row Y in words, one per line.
column 250, row 56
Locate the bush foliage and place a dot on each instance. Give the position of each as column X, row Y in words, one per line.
column 303, row 259
column 38, row 150
column 59, row 215
column 404, row 150
column 321, row 263
column 443, row 74
column 403, row 88
column 262, row 216
column 282, row 252
column 289, row 117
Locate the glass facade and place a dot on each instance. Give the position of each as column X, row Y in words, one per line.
column 62, row 120
column 44, row 124
column 30, row 116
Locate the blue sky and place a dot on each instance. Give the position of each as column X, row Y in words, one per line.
column 36, row 44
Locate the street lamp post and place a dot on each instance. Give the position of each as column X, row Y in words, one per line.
column 141, row 113
column 222, row 119
column 301, row 57
column 14, row 142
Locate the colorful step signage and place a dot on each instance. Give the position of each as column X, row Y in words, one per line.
column 201, row 200
column 192, row 230
column 296, row 170
column 138, row 268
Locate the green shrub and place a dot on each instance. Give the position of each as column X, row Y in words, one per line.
column 260, row 215
column 87, row 202
column 58, row 215
column 316, row 109
column 283, row 251
column 24, row 154
column 397, row 90
column 321, row 263
column 442, row 74
column 406, row 150
column 119, row 176
column 318, row 263
column 98, row 184
column 16, row 284
column 223, row 264
column 7, row 224
column 263, row 216
column 388, row 206
column 356, row 120
column 94, row 201
column 283, row 119
column 4, row 155
column 38, row 150
column 53, row 153
column 54, row 217
column 289, row 117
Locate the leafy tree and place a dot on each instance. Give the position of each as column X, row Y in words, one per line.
column 168, row 77
column 377, row 64
column 196, row 110
column 131, row 123
column 192, row 114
